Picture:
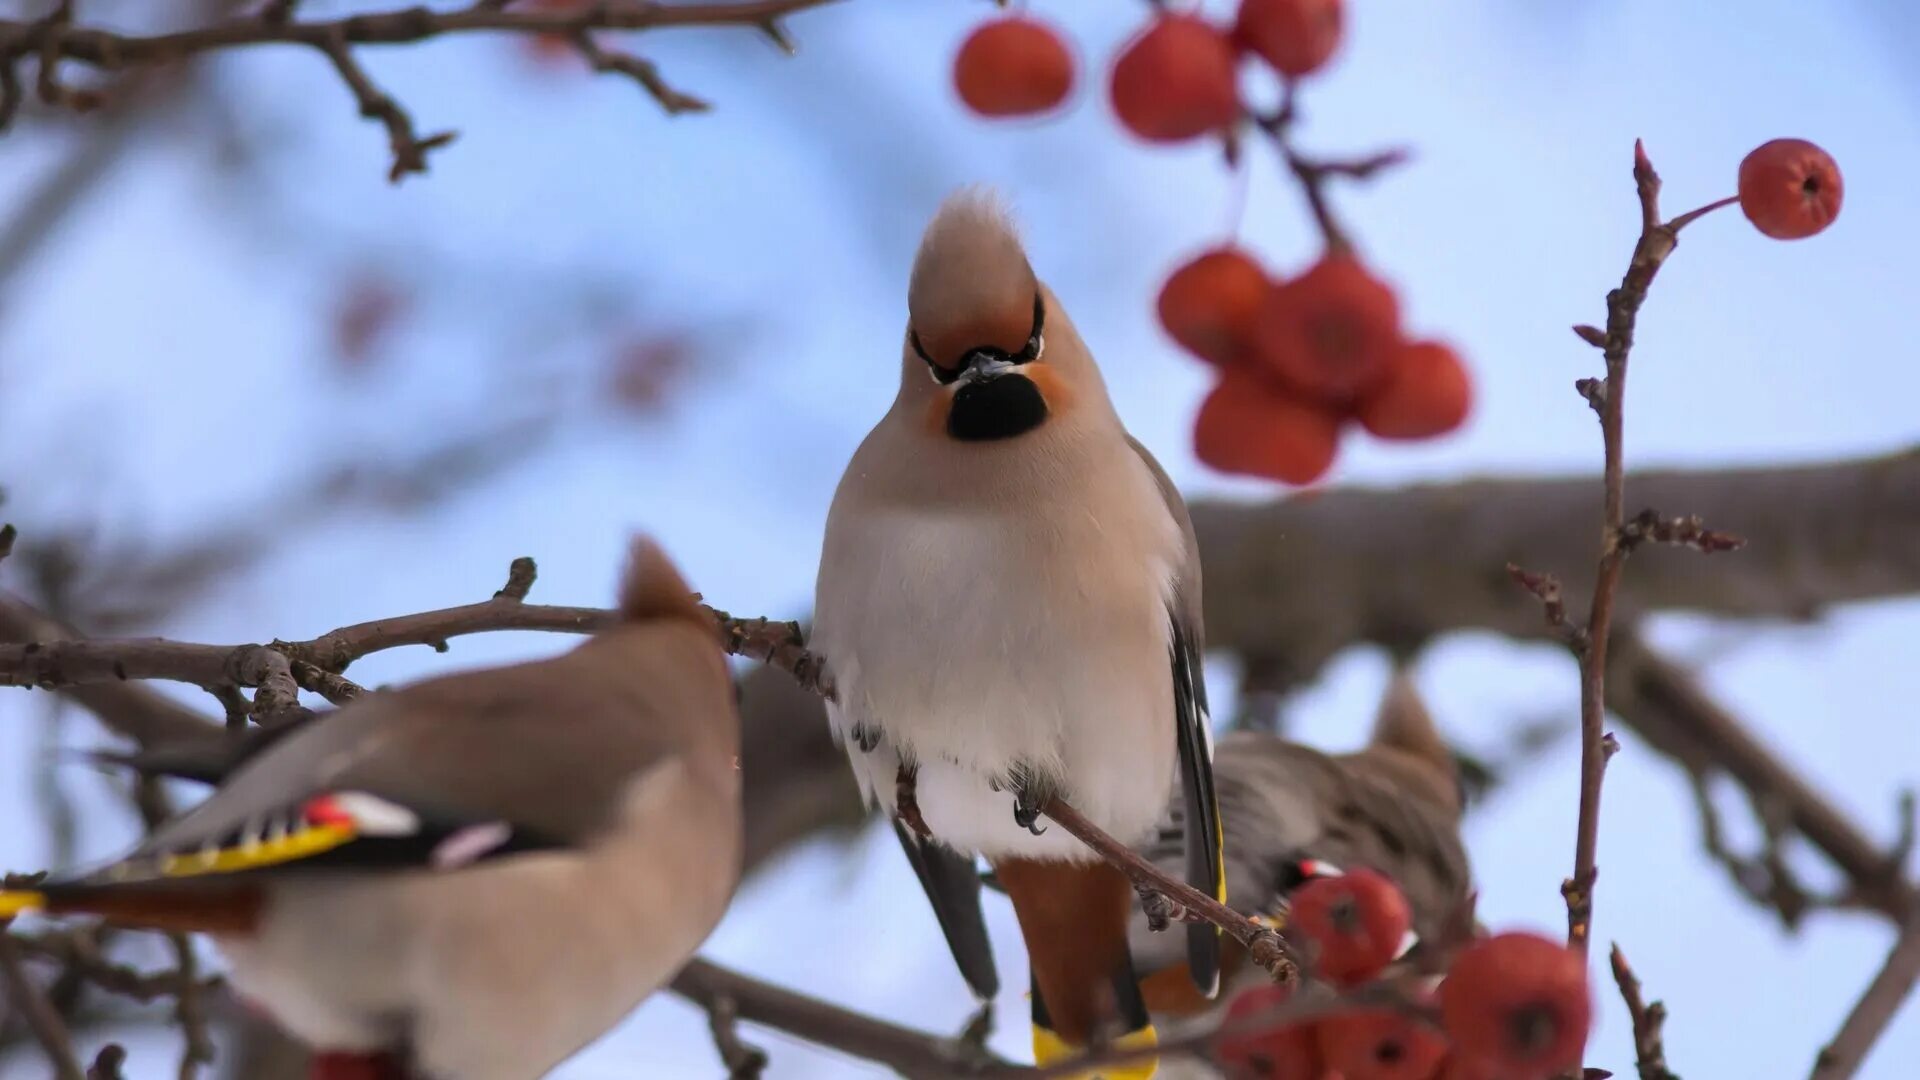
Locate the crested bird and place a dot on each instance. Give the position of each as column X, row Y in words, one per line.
column 1293, row 812
column 1009, row 600
column 471, row 877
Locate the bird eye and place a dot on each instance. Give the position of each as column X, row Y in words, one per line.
column 940, row 375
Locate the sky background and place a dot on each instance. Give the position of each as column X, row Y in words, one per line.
column 167, row 364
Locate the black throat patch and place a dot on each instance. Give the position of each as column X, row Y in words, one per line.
column 997, row 408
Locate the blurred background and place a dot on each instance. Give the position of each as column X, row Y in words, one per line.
column 250, row 390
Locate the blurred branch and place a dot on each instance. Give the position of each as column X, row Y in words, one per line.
column 1667, row 706
column 41, row 1018
column 1842, row 1057
column 909, row 1052
column 57, row 38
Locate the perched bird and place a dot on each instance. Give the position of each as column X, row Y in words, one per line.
column 472, row 877
column 1009, row 600
column 1292, row 811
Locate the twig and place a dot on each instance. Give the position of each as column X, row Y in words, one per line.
column 189, row 1011
column 53, row 39
column 1546, row 588
column 1178, row 901
column 1649, row 1051
column 78, row 949
column 910, row 1052
column 1313, row 173
column 1842, row 1057
column 1690, row 531
column 1608, row 399
column 45, row 1023
column 743, row 1062
column 7, row 536
column 106, row 1064
column 281, row 667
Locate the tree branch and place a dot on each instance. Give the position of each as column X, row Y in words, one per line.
column 1842, row 1057
column 55, row 38
column 68, row 661
column 909, row 1052
column 1168, row 899
column 41, row 1018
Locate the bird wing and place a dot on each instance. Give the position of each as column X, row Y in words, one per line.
column 952, row 885
column 1204, row 838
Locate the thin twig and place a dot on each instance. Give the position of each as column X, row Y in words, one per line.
column 41, row 1018
column 1842, row 1057
column 743, row 1062
column 1313, row 173
column 54, row 39
column 281, row 668
column 1649, row 1051
column 910, row 1052
column 1608, row 398
column 1182, row 902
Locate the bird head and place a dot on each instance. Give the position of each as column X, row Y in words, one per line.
column 989, row 354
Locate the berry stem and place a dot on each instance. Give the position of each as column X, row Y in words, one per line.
column 1686, row 219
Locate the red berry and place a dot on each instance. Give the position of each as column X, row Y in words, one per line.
column 1332, row 331
column 1014, row 66
column 1790, row 188
column 1356, row 921
column 1426, row 392
column 1209, row 305
column 1518, row 1005
column 1380, row 1045
column 1249, row 427
column 1275, row 1053
column 1176, row 80
column 1296, row 37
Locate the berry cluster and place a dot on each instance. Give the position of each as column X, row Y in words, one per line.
column 1513, row 1006
column 1300, row 358
column 1303, row 358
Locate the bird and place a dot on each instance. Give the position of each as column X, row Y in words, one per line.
column 473, row 876
column 1009, row 604
column 1293, row 812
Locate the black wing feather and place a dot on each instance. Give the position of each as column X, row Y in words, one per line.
column 1206, row 865
column 952, row 886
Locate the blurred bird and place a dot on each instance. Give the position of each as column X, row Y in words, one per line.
column 472, row 877
column 1009, row 599
column 1291, row 811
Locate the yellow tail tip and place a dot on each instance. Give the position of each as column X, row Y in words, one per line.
column 15, row 901
column 1051, row 1049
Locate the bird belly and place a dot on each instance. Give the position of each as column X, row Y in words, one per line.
column 972, row 660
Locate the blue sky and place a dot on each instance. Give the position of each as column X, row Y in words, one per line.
column 183, row 315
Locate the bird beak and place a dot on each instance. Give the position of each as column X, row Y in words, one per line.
column 983, row 365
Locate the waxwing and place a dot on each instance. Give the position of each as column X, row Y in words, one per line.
column 1009, row 601
column 471, row 877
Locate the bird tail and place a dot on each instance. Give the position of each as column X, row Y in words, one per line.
column 1073, row 917
column 652, row 587
column 18, row 901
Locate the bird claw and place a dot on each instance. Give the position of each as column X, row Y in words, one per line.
column 1026, row 812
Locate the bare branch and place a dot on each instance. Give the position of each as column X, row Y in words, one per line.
column 910, row 1052
column 743, row 1062
column 1842, row 1057
column 41, row 1018
column 1168, row 899
column 281, row 668
column 54, row 39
